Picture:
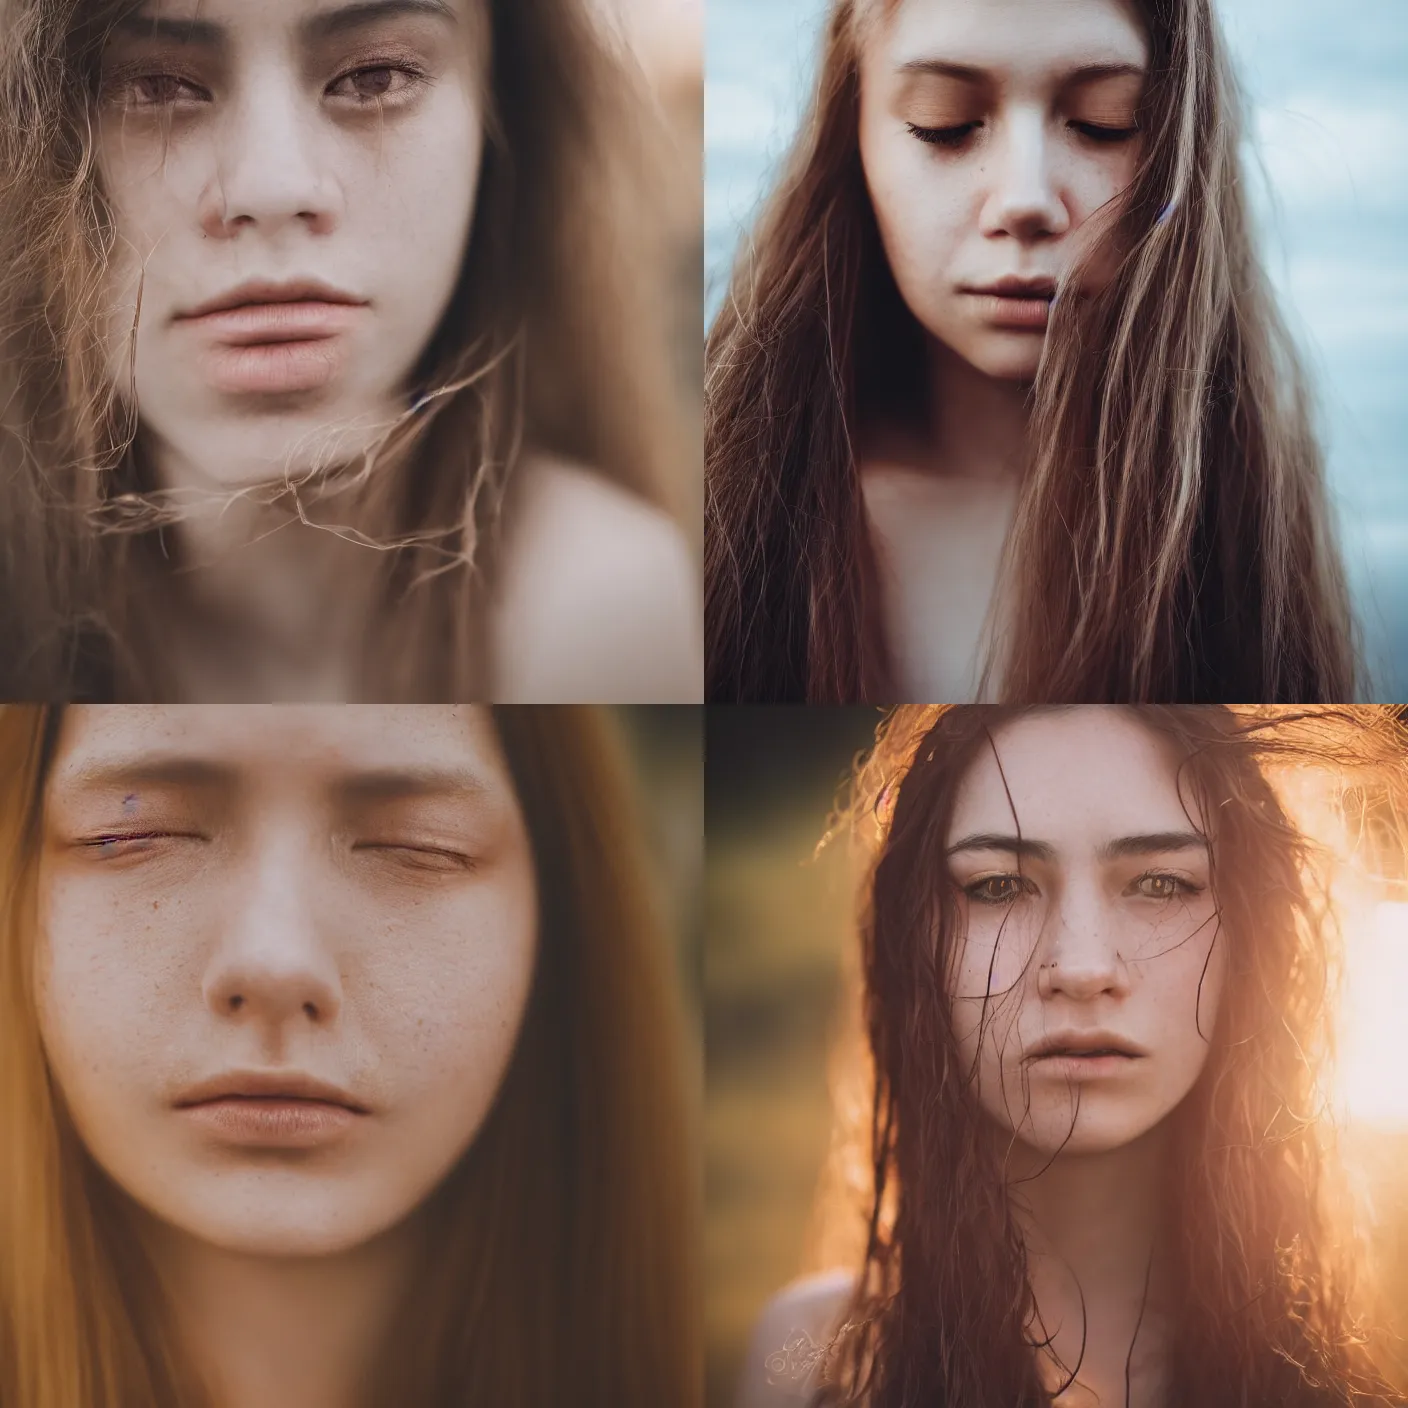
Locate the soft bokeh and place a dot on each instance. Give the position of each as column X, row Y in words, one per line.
column 1329, row 90
column 779, row 1017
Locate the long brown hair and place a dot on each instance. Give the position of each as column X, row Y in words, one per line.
column 1265, row 1263
column 553, row 341
column 1172, row 541
column 565, row 1264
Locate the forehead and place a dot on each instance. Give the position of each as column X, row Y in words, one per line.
column 1015, row 36
column 1072, row 777
column 288, row 744
column 211, row 21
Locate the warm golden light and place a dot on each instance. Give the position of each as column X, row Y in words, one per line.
column 1374, row 1021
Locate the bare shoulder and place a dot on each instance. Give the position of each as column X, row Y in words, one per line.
column 792, row 1339
column 599, row 598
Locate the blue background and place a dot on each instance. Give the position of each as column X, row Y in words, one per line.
column 1328, row 85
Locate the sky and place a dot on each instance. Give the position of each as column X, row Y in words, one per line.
column 1328, row 85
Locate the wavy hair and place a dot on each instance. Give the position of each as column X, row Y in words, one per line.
column 560, row 1270
column 552, row 341
column 1269, row 1283
column 1173, row 540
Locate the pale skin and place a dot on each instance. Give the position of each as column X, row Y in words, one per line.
column 1104, row 922
column 346, row 893
column 992, row 134
column 282, row 142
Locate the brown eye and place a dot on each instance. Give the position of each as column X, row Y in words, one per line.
column 995, row 889
column 153, row 90
column 1161, row 887
column 376, row 82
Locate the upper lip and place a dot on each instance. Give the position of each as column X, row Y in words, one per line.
column 291, row 1085
column 1013, row 287
column 1082, row 1043
column 258, row 291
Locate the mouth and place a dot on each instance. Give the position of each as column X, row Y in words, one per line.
column 260, row 293
column 1017, row 305
column 270, row 1110
column 268, row 1087
column 1093, row 1047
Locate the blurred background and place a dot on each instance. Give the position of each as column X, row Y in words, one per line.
column 666, row 745
column 668, row 39
column 1328, row 88
column 777, row 1001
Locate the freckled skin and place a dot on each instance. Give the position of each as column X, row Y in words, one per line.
column 1021, row 194
column 278, row 939
column 269, row 169
column 1084, row 949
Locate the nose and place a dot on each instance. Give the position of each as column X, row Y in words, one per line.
column 1025, row 201
column 1079, row 956
column 269, row 172
column 273, row 966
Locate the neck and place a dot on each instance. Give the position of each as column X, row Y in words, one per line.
column 1094, row 1228
column 284, row 1332
column 977, row 423
column 270, row 605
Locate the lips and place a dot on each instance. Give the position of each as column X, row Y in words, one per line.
column 1084, row 1045
column 281, row 1086
column 263, row 292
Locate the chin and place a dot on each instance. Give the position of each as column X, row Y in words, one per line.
column 1004, row 356
column 1095, row 1131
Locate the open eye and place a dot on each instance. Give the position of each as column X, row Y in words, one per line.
column 375, row 83
column 1160, row 886
column 153, row 90
column 996, row 889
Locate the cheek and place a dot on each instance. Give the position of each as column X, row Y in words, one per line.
column 106, row 976
column 445, row 1016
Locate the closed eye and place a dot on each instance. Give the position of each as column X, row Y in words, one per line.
column 943, row 136
column 116, row 844
column 442, row 859
column 1110, row 135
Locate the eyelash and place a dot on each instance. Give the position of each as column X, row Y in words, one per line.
column 954, row 137
column 974, row 889
column 123, row 85
column 439, row 859
column 106, row 846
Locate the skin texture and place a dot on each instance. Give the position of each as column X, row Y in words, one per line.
column 1082, row 938
column 276, row 154
column 287, row 915
column 1015, row 193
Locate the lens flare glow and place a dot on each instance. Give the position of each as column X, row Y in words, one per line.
column 1374, row 1021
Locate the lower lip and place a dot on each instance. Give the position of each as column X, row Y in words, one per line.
column 1083, row 1067
column 275, row 347
column 285, row 1124
column 1029, row 314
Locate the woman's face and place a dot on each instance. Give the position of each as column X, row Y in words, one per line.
column 1087, row 926
column 314, row 161
column 991, row 132
column 229, row 895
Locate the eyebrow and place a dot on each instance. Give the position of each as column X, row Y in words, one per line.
column 372, row 785
column 1145, row 844
column 968, row 73
column 206, row 34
